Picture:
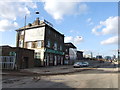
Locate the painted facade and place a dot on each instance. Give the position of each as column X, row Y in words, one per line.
column 45, row 40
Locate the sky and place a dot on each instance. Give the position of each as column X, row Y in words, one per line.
column 90, row 26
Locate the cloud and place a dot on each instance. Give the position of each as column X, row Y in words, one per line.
column 89, row 20
column 111, row 40
column 109, row 26
column 10, row 11
column 6, row 25
column 74, row 40
column 59, row 9
column 74, row 31
column 68, row 39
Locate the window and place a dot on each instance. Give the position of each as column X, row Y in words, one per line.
column 20, row 43
column 66, row 50
column 22, row 32
column 55, row 35
column 48, row 43
column 60, row 38
column 55, row 46
column 60, row 47
column 49, row 31
column 33, row 44
column 39, row 44
column 29, row 44
column 42, row 43
column 37, row 55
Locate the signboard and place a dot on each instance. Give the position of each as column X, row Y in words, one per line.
column 48, row 23
column 66, row 56
column 12, row 53
column 54, row 51
column 35, row 34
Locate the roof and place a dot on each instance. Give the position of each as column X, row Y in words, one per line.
column 37, row 23
column 7, row 46
column 70, row 45
column 79, row 51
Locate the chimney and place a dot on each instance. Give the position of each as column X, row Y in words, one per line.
column 29, row 24
column 37, row 21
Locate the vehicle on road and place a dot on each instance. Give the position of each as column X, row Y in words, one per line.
column 85, row 64
column 100, row 58
column 77, row 64
column 80, row 64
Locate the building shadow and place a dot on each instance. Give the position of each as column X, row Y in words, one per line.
column 13, row 83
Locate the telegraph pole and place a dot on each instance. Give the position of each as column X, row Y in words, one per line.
column 24, row 32
column 25, row 28
column 118, row 54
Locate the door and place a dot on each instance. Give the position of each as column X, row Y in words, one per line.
column 48, row 60
column 55, row 62
column 25, row 63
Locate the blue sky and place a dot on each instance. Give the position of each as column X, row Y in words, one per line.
column 91, row 26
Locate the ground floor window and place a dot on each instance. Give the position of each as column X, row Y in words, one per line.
column 53, row 59
column 37, row 55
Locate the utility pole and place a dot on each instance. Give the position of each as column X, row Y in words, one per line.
column 25, row 29
column 24, row 32
column 118, row 54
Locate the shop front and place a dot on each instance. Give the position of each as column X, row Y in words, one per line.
column 53, row 57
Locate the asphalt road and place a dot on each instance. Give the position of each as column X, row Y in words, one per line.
column 95, row 78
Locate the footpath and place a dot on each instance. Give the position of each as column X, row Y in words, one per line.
column 55, row 70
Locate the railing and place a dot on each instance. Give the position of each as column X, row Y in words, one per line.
column 7, row 62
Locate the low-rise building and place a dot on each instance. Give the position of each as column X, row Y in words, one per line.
column 70, row 53
column 47, row 42
column 79, row 55
column 24, row 58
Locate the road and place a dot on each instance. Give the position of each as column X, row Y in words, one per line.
column 95, row 78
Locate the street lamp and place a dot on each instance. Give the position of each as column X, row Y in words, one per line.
column 37, row 12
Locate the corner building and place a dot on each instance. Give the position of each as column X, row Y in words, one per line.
column 47, row 42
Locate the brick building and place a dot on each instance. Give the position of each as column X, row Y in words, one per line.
column 24, row 58
column 47, row 42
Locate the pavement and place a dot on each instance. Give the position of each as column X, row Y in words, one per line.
column 54, row 70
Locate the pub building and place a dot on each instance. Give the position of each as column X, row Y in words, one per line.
column 47, row 42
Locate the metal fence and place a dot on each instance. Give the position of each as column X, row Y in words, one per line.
column 7, row 62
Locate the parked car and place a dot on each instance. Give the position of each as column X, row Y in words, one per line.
column 81, row 64
column 85, row 64
column 77, row 64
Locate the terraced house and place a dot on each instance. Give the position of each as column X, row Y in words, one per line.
column 47, row 42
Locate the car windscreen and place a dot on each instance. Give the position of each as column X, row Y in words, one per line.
column 77, row 63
